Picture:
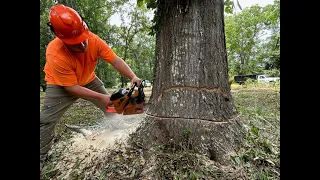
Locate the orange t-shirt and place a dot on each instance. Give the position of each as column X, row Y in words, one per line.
column 67, row 68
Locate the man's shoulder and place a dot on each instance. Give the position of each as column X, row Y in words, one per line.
column 54, row 46
column 95, row 40
column 57, row 49
column 93, row 36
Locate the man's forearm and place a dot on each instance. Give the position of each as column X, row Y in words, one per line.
column 80, row 91
column 123, row 68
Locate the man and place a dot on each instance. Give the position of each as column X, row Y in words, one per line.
column 69, row 71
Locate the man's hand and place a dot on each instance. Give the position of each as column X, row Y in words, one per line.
column 105, row 99
column 137, row 80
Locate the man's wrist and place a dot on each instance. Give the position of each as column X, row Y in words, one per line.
column 132, row 77
column 99, row 96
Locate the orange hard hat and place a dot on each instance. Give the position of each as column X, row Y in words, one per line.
column 68, row 25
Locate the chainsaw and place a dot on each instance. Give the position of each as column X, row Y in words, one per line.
column 128, row 101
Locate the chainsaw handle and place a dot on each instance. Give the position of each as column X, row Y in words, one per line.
column 131, row 89
column 141, row 85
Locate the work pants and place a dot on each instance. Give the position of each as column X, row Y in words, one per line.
column 56, row 102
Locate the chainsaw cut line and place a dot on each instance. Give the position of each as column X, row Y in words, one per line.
column 201, row 119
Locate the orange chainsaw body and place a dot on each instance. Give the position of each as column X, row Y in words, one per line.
column 128, row 102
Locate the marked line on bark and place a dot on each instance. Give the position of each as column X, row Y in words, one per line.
column 201, row 119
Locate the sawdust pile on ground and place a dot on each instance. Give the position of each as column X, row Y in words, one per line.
column 107, row 132
column 79, row 151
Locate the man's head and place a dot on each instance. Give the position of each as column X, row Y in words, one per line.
column 68, row 26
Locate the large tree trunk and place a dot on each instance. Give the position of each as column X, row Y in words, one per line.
column 191, row 103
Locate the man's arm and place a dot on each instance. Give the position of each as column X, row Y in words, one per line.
column 121, row 66
column 80, row 91
column 106, row 53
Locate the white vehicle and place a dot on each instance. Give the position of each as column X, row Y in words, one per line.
column 147, row 83
column 266, row 78
column 241, row 79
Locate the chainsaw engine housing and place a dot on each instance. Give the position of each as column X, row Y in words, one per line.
column 128, row 101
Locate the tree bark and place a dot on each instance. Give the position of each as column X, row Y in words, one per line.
column 191, row 104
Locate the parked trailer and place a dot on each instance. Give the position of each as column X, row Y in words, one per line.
column 241, row 79
column 262, row 78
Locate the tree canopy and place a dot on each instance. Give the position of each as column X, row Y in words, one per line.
column 252, row 36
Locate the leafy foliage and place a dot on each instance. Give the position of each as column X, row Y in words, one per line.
column 135, row 42
column 45, row 35
column 253, row 40
column 157, row 6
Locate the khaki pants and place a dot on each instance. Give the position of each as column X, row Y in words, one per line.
column 56, row 103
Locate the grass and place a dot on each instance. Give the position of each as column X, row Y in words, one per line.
column 258, row 158
column 260, row 154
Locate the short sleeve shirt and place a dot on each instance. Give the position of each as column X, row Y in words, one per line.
column 66, row 68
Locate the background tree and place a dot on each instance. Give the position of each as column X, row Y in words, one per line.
column 133, row 22
column 244, row 35
column 272, row 45
column 45, row 36
column 142, row 52
column 250, row 35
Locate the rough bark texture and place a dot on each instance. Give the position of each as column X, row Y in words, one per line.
column 191, row 92
column 215, row 140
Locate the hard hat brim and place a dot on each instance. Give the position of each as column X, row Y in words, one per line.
column 78, row 39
